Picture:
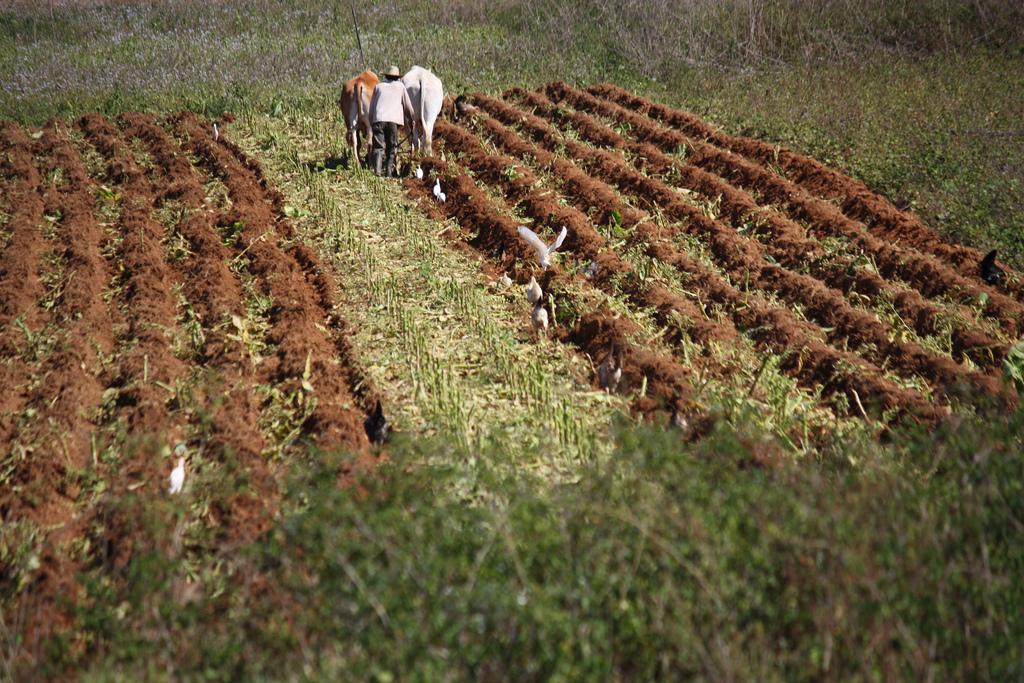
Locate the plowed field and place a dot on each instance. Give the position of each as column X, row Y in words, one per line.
column 157, row 301
column 724, row 237
column 153, row 299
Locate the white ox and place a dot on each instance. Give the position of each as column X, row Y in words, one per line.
column 355, row 105
column 427, row 95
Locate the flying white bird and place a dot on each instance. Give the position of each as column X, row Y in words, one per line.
column 419, row 173
column 539, row 317
column 543, row 251
column 534, row 293
column 437, row 188
column 216, row 133
column 177, row 477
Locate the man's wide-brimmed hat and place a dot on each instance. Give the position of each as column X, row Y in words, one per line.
column 392, row 72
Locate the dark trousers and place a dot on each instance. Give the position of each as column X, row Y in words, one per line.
column 385, row 139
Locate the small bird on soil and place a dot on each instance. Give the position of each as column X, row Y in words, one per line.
column 177, row 477
column 539, row 318
column 442, row 197
column 376, row 426
column 462, row 107
column 419, row 173
column 505, row 280
column 679, row 421
column 216, row 133
column 591, row 270
column 437, row 188
column 609, row 374
column 990, row 272
column 543, row 250
column 533, row 292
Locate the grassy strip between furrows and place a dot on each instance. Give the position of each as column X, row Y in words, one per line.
column 450, row 349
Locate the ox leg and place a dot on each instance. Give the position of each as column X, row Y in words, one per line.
column 353, row 144
column 414, row 136
column 369, row 140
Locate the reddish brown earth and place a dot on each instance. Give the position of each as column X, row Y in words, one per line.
column 583, row 159
column 140, row 310
column 118, row 340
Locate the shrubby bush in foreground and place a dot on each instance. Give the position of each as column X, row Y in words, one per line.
column 664, row 562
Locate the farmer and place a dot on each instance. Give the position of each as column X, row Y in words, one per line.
column 389, row 107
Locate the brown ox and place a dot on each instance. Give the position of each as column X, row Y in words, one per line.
column 355, row 105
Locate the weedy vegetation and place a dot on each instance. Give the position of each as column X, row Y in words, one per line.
column 522, row 526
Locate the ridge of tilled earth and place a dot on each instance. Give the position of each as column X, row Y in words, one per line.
column 115, row 326
column 845, row 350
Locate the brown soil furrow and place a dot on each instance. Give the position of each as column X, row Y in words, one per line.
column 233, row 431
column 786, row 241
column 81, row 239
column 210, row 288
column 148, row 370
column 744, row 261
column 20, row 292
column 214, row 292
column 298, row 320
column 180, row 181
column 595, row 331
column 815, row 361
column 20, row 287
column 855, row 198
column 858, row 201
column 745, row 258
column 60, row 386
column 151, row 317
column 73, row 388
column 122, row 170
column 543, row 207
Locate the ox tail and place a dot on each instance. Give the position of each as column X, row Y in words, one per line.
column 353, row 109
column 421, row 121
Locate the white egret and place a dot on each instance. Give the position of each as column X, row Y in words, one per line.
column 543, row 251
column 539, row 318
column 533, row 292
column 177, row 477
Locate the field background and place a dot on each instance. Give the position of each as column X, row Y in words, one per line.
column 520, row 530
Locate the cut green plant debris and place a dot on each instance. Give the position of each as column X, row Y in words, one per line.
column 443, row 343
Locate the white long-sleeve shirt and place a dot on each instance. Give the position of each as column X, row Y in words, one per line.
column 390, row 102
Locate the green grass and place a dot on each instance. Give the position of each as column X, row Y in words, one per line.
column 613, row 552
column 663, row 561
column 939, row 136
